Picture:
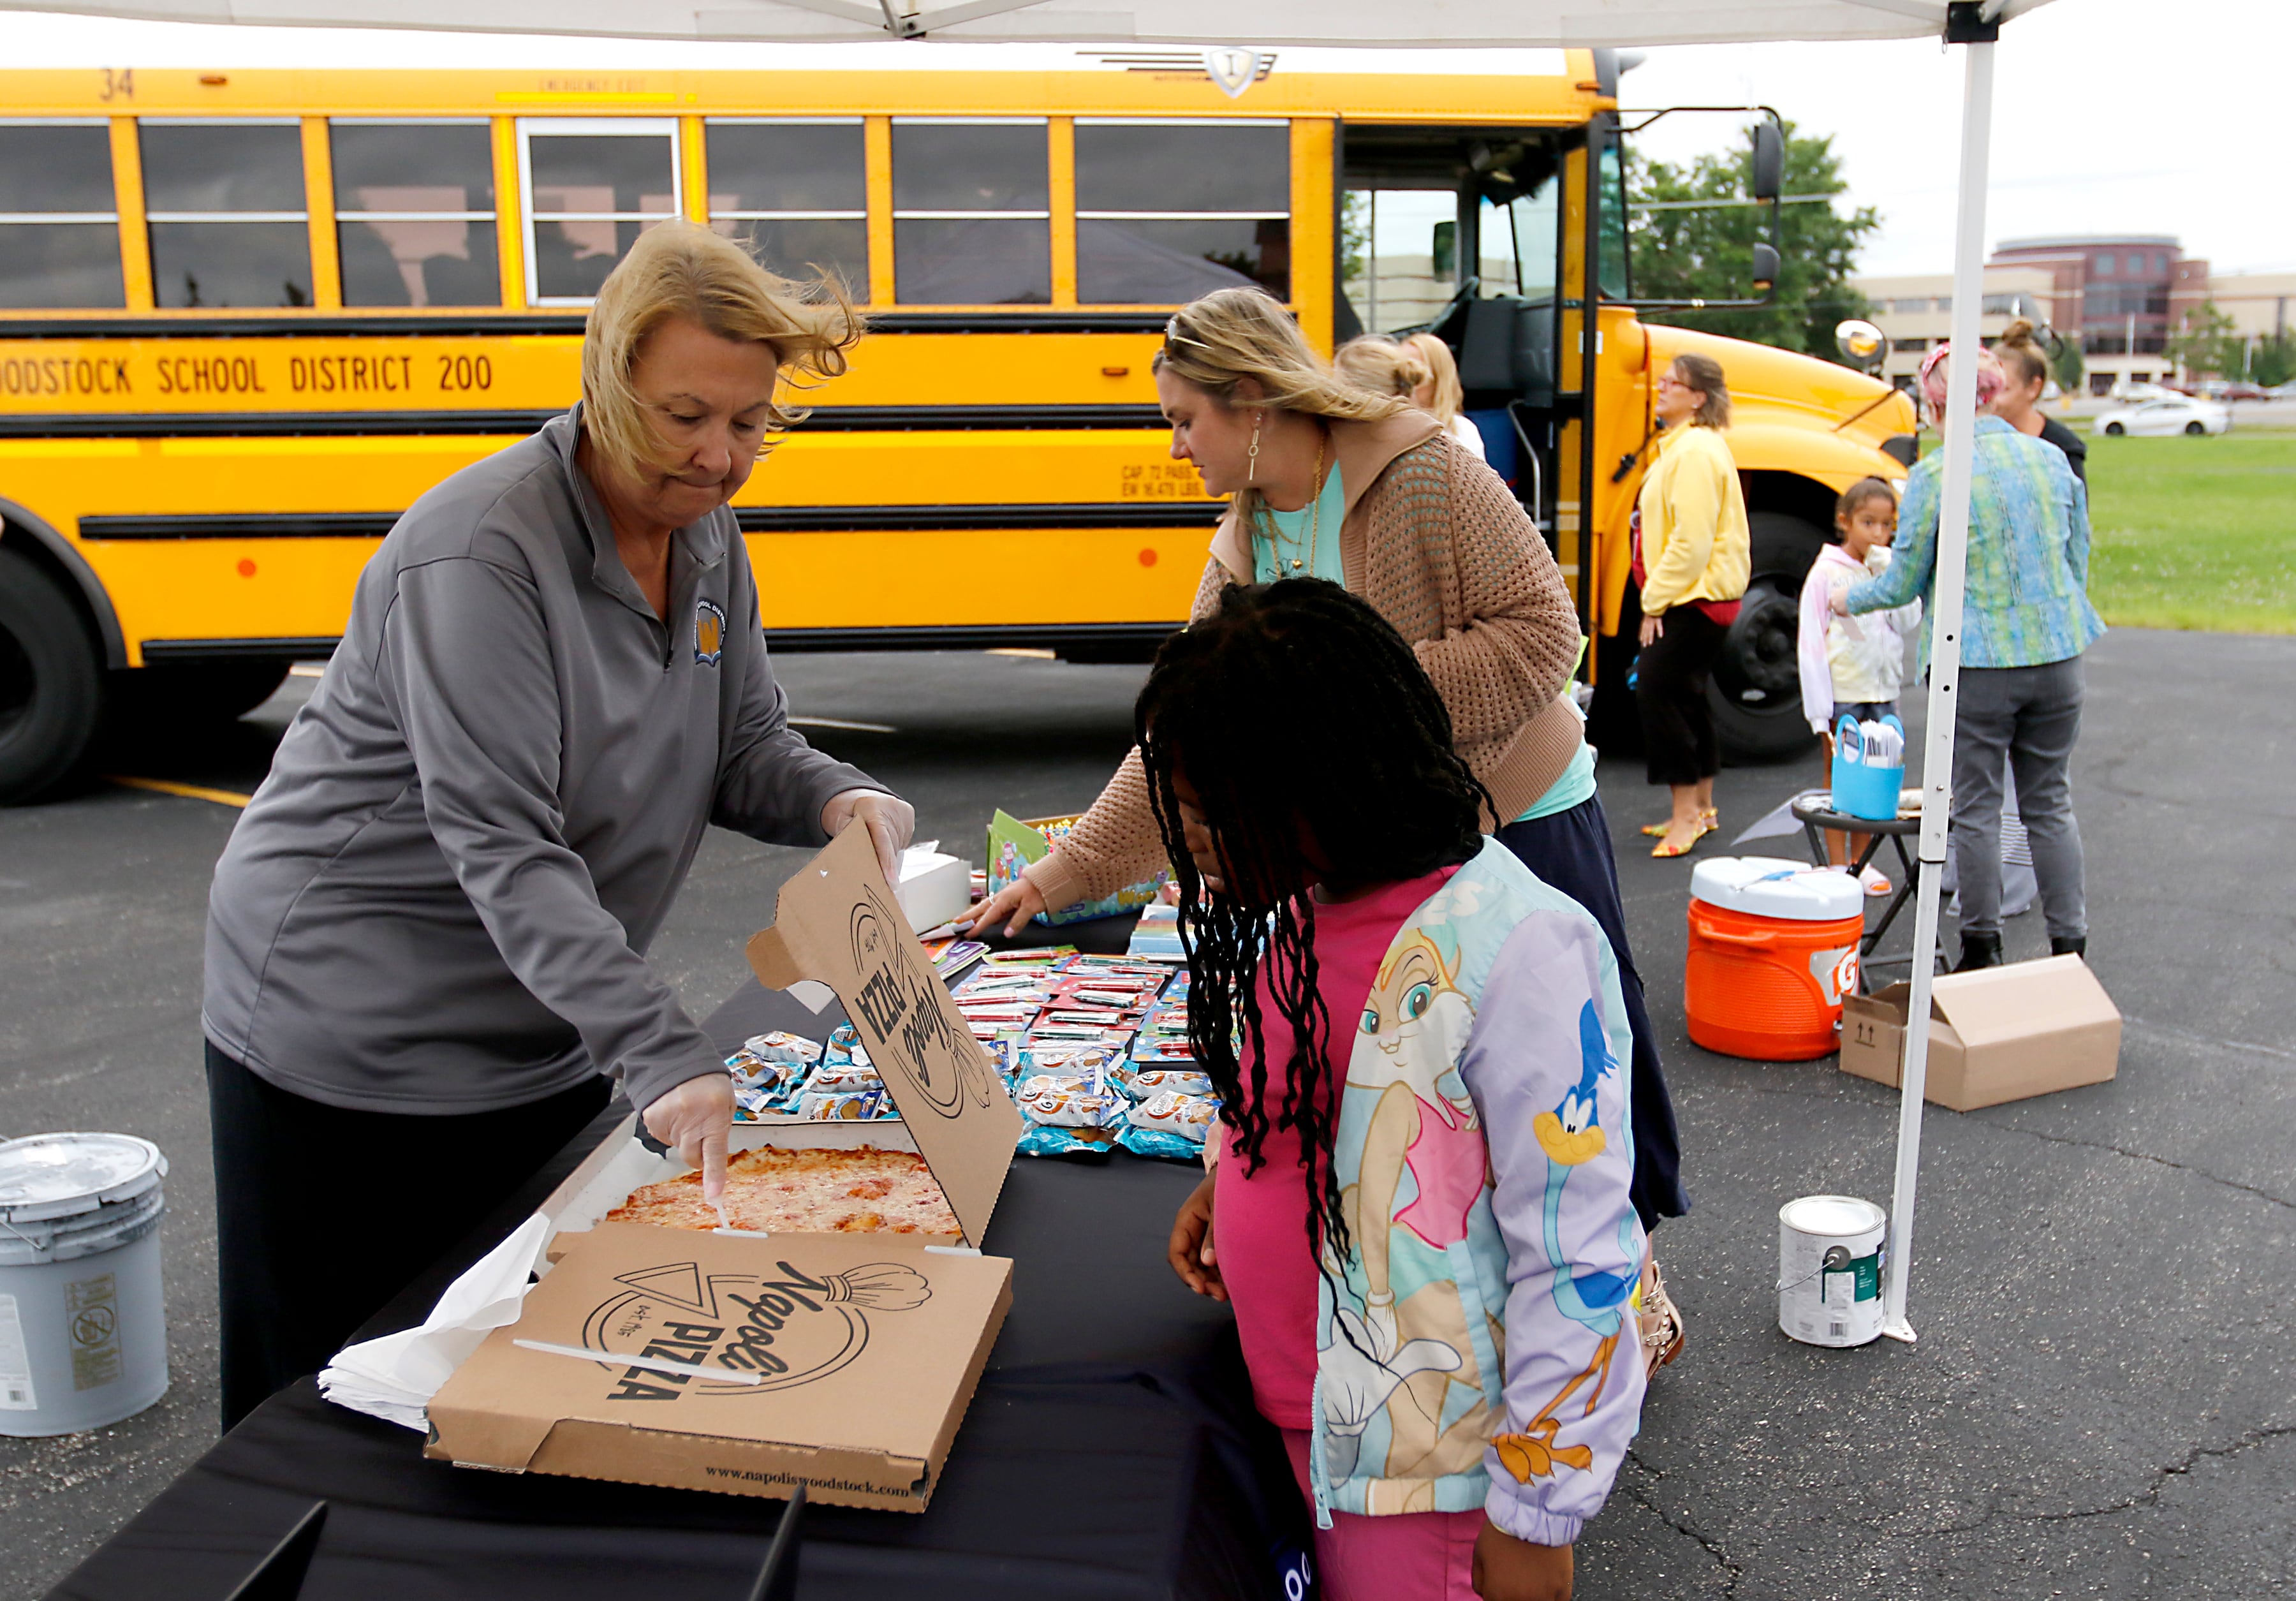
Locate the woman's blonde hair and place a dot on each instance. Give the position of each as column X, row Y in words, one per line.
column 682, row 269
column 1449, row 399
column 1231, row 334
column 1217, row 340
column 1398, row 367
column 1704, row 375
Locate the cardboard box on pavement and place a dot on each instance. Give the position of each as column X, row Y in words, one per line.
column 869, row 1345
column 1998, row 1034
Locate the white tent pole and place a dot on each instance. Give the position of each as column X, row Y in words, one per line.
column 1959, row 428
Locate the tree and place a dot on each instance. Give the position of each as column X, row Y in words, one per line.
column 2274, row 362
column 2208, row 345
column 1706, row 254
column 2066, row 365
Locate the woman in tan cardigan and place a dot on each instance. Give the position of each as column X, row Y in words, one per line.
column 1332, row 481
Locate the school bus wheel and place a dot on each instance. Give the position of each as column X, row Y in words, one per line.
column 1755, row 690
column 51, row 681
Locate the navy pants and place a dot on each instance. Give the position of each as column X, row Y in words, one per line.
column 1572, row 851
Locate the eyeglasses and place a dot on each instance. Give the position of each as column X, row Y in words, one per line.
column 1173, row 336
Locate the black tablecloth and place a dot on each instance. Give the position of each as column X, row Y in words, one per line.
column 1111, row 1450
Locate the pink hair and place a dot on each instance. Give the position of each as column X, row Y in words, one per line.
column 1992, row 378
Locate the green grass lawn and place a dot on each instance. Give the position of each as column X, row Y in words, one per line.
column 2195, row 533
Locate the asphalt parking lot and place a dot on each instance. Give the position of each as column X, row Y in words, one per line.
column 2102, row 1402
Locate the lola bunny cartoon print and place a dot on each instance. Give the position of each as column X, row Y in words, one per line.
column 1466, row 1342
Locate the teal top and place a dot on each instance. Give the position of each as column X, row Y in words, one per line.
column 1576, row 787
column 1271, row 559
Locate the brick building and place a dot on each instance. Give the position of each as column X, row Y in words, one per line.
column 2126, row 293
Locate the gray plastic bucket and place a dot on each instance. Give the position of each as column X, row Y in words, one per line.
column 83, row 1316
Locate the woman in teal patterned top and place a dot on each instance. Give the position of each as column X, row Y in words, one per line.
column 2026, row 623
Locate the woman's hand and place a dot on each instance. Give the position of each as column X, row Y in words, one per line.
column 1012, row 906
column 892, row 822
column 1653, row 626
column 1191, row 1251
column 1838, row 603
column 693, row 1121
column 1507, row 1568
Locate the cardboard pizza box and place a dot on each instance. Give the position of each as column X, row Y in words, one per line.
column 836, row 922
column 865, row 1349
column 1997, row 1034
column 885, row 1334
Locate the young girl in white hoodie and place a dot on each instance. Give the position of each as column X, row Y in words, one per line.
column 1853, row 665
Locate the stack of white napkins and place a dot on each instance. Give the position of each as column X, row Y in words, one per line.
column 394, row 1378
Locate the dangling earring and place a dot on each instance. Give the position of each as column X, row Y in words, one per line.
column 1251, row 466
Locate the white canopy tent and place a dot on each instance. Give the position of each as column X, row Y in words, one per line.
column 1970, row 24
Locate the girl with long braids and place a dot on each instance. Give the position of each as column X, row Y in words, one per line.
column 1332, row 481
column 1421, row 1190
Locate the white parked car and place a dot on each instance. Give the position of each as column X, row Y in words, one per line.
column 2175, row 415
column 2130, row 393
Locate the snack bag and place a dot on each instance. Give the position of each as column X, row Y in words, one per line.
column 752, row 1106
column 1067, row 1101
column 851, row 1076
column 845, row 1048
column 794, row 1050
column 1173, row 1081
column 841, row 1105
column 1171, row 1126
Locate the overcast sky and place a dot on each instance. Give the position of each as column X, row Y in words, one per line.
column 2112, row 115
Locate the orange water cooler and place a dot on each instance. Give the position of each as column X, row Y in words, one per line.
column 1773, row 946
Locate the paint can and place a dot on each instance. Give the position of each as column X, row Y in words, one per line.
column 1830, row 1269
column 82, row 1315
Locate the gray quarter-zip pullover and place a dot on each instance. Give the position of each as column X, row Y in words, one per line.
column 440, row 900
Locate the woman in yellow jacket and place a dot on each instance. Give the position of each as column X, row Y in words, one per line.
column 1691, row 557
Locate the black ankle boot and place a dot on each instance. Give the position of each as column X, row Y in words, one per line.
column 1979, row 950
column 2077, row 946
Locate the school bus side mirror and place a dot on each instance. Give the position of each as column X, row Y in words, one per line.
column 1770, row 173
column 1766, row 268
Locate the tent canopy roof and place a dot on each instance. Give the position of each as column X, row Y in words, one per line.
column 1421, row 23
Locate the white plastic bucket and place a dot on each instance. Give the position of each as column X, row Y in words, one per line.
column 82, row 1315
column 1830, row 1269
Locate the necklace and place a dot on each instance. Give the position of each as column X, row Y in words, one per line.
column 1275, row 537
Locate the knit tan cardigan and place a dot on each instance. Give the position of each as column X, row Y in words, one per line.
column 1442, row 549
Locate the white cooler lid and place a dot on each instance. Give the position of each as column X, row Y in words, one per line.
column 1769, row 886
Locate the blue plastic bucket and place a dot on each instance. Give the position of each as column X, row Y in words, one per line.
column 1860, row 791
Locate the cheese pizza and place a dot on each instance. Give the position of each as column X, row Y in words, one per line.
column 776, row 1191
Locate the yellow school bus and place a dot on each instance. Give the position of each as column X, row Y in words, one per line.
column 247, row 318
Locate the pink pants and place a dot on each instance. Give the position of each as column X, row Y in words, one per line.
column 1411, row 1556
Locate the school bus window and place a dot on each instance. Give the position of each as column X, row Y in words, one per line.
column 59, row 225
column 414, row 212
column 796, row 190
column 1394, row 274
column 593, row 186
column 971, row 212
column 224, row 201
column 1169, row 210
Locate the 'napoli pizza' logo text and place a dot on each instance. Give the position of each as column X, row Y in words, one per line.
column 910, row 1018
column 788, row 1328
